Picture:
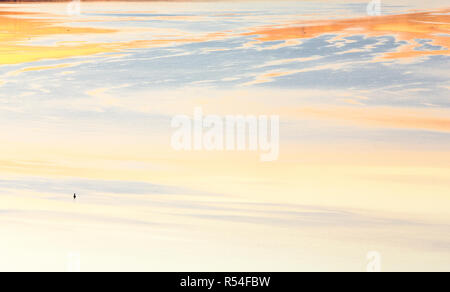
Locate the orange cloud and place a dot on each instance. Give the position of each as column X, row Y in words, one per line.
column 17, row 29
column 405, row 27
column 403, row 118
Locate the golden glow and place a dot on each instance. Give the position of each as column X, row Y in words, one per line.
column 18, row 29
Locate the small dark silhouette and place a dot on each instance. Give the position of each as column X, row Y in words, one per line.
column 74, row 196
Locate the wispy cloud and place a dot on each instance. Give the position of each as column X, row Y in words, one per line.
column 90, row 186
column 419, row 119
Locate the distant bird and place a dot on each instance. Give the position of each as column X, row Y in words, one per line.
column 74, row 196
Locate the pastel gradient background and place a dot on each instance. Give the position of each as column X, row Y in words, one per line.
column 86, row 103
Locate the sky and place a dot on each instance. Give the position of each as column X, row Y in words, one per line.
column 86, row 103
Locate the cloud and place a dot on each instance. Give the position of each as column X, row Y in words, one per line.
column 90, row 186
column 405, row 27
column 78, row 217
column 19, row 38
column 402, row 118
column 270, row 76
